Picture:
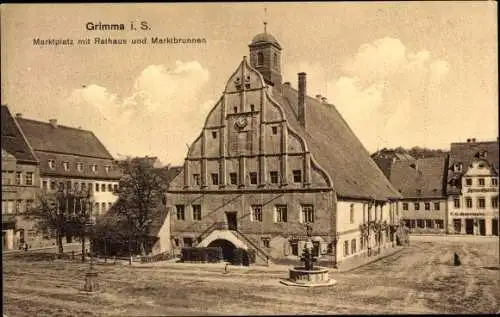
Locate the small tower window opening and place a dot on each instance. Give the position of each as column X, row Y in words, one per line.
column 247, row 86
column 275, row 130
column 260, row 58
column 275, row 60
column 214, row 134
column 252, row 108
column 235, row 109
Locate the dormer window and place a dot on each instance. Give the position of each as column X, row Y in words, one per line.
column 107, row 168
column 51, row 164
column 79, row 167
column 94, row 168
column 66, row 166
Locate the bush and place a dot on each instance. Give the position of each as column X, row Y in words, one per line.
column 208, row 254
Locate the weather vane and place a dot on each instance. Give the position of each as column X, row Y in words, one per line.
column 265, row 20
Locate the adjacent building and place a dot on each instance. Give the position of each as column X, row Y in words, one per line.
column 473, row 188
column 20, row 179
column 72, row 158
column 270, row 159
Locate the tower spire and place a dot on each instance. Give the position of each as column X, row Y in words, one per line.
column 265, row 20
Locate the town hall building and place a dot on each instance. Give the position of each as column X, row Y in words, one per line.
column 271, row 159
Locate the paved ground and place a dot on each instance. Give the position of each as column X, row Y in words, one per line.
column 419, row 279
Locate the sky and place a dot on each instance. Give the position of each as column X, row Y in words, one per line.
column 400, row 73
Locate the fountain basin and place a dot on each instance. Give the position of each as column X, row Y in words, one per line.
column 318, row 276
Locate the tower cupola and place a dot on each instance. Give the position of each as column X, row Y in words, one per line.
column 265, row 56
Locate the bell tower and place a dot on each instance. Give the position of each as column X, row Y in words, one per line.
column 265, row 56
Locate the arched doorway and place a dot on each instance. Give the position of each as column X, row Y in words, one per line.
column 227, row 248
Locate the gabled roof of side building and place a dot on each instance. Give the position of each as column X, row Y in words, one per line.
column 13, row 140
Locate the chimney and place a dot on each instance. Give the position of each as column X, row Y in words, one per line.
column 302, row 99
column 53, row 123
column 318, row 96
column 19, row 115
column 286, row 83
column 324, row 100
column 473, row 140
column 468, row 140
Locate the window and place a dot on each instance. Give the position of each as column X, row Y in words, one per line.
column 260, row 58
column 107, row 168
column 79, row 167
column 115, row 187
column 429, row 223
column 252, row 108
column 439, row 223
column 61, row 186
column 96, row 187
column 256, row 213
column 494, row 181
column 18, row 206
column 405, row 206
column 103, row 188
column 76, row 186
column 274, row 177
column 94, row 168
column 53, row 185
column 235, row 109
column 103, row 207
column 346, row 248
column 274, row 130
column 29, row 178
column 275, row 60
column 68, row 185
column 281, row 213
column 351, row 213
column 427, row 206
column 215, row 178
column 420, row 223
column 265, row 242
column 188, row 241
column 66, row 166
column 180, row 212
column 307, row 213
column 468, row 182
column 247, row 86
column 353, row 246
column 214, row 134
column 19, row 178
column 196, row 179
column 297, row 176
column 233, row 178
column 417, row 206
column 196, row 212
column 407, row 223
column 456, row 203
column 294, row 245
column 413, row 223
column 44, row 184
column 110, row 188
column 481, row 203
column 468, row 202
column 480, row 181
column 109, row 205
column 436, row 206
column 51, row 164
column 253, row 178
column 29, row 204
column 494, row 202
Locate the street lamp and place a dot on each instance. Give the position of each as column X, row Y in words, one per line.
column 91, row 275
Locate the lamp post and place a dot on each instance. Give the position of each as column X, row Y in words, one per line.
column 91, row 285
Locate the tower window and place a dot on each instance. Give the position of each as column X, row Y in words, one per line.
column 260, row 58
column 235, row 109
column 252, row 108
column 214, row 134
column 275, row 60
column 275, row 130
column 247, row 86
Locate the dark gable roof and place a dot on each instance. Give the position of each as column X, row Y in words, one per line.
column 61, row 139
column 465, row 152
column 421, row 178
column 336, row 149
column 13, row 140
column 172, row 172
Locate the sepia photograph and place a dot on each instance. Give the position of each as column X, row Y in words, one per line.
column 266, row 158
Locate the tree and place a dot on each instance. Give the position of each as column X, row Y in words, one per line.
column 64, row 212
column 140, row 192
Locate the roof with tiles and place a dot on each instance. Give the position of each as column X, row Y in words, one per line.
column 337, row 149
column 46, row 137
column 421, row 178
column 13, row 140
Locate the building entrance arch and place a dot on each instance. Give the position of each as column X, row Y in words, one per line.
column 227, row 248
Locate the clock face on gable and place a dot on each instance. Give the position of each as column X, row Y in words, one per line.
column 241, row 122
